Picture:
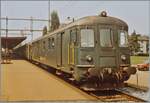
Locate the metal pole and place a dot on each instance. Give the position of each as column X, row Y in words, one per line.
column 25, row 19
column 0, row 59
column 49, row 15
column 137, row 79
column 6, row 49
column 31, row 28
column 10, row 29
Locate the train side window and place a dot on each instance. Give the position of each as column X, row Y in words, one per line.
column 73, row 36
column 123, row 39
column 49, row 43
column 52, row 42
column 44, row 45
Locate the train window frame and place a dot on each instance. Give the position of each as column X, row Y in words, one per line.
column 126, row 38
column 111, row 37
column 93, row 42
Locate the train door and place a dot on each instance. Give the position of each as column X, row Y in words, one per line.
column 59, row 56
column 73, row 37
column 38, row 51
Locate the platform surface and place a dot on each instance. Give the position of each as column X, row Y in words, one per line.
column 23, row 81
column 140, row 79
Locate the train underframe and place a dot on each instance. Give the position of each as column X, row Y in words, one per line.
column 105, row 79
column 98, row 79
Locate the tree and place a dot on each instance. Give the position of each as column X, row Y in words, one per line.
column 54, row 21
column 44, row 30
column 133, row 42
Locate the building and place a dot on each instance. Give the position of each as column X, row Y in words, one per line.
column 144, row 44
column 139, row 42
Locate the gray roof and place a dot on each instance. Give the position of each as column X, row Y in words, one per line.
column 100, row 20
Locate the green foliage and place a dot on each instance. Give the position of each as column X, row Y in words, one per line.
column 54, row 21
column 138, row 59
column 45, row 30
column 133, row 43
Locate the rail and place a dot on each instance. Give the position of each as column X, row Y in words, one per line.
column 115, row 96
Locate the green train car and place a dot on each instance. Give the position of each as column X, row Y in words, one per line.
column 92, row 50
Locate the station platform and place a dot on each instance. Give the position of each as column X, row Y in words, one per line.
column 140, row 80
column 23, row 81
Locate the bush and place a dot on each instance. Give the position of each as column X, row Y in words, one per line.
column 143, row 54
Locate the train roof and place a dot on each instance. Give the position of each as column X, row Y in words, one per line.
column 90, row 20
column 99, row 20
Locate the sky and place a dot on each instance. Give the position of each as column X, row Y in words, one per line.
column 135, row 13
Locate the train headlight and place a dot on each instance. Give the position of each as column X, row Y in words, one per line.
column 103, row 13
column 123, row 57
column 89, row 58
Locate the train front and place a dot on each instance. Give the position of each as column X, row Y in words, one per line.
column 104, row 56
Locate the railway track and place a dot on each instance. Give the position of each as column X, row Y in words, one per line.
column 115, row 96
column 118, row 95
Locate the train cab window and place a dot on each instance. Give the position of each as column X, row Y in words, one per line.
column 123, row 40
column 106, row 37
column 87, row 38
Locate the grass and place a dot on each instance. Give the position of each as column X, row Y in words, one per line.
column 138, row 59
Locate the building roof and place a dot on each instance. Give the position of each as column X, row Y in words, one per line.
column 11, row 42
column 143, row 38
